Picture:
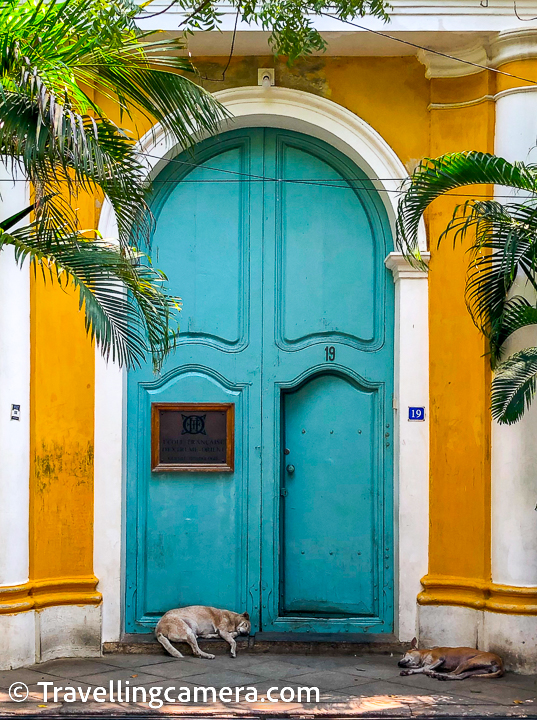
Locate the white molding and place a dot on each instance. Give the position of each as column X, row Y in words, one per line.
column 403, row 270
column 456, row 105
column 514, row 450
column 109, row 488
column 463, row 17
column 411, row 466
column 440, row 66
column 515, row 91
column 405, row 7
column 321, row 118
column 511, row 45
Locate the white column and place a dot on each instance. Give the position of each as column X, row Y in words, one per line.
column 109, row 492
column 411, row 457
column 14, row 390
column 16, row 631
column 514, row 448
column 109, row 488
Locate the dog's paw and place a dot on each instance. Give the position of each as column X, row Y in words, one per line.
column 435, row 675
column 209, row 656
column 405, row 672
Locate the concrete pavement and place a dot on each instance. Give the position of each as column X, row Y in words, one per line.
column 367, row 685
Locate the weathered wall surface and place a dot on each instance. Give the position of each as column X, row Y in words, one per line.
column 61, row 455
column 459, row 520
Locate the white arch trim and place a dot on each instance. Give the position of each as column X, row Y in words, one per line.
column 324, row 119
column 303, row 112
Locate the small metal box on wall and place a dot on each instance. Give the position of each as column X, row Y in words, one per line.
column 192, row 437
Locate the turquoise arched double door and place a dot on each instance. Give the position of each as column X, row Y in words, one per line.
column 276, row 244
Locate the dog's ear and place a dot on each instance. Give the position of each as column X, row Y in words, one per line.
column 245, row 615
column 413, row 644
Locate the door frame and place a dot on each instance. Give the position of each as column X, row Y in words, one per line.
column 321, row 118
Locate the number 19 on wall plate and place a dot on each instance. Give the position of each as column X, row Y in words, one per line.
column 416, row 414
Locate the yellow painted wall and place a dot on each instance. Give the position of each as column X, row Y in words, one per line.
column 459, row 544
column 521, row 71
column 61, row 478
column 390, row 93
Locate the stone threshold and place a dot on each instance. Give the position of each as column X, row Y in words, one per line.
column 297, row 643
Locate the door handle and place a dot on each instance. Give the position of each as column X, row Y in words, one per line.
column 290, row 469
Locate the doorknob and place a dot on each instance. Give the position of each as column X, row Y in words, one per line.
column 290, row 469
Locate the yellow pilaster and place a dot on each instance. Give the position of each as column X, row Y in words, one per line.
column 461, row 118
column 61, row 475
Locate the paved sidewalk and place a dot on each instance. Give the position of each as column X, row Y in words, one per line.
column 365, row 685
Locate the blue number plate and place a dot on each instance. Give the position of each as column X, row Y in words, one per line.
column 416, row 413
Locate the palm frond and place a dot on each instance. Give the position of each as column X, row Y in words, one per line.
column 14, row 219
column 503, row 246
column 62, row 49
column 518, row 313
column 183, row 108
column 513, row 386
column 55, row 55
column 128, row 312
column 434, row 177
column 76, row 152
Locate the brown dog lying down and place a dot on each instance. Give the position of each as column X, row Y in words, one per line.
column 444, row 663
column 184, row 624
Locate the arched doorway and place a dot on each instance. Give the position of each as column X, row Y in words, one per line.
column 276, row 243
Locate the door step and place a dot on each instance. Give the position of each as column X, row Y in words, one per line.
column 278, row 643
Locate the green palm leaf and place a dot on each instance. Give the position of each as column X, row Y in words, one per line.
column 504, row 246
column 513, row 386
column 434, row 177
column 518, row 313
column 127, row 309
column 503, row 252
column 14, row 219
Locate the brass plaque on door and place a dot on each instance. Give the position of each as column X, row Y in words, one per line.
column 192, row 437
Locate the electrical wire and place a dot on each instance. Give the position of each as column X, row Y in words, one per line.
column 328, row 182
column 434, row 52
column 344, row 185
column 224, row 71
column 241, row 177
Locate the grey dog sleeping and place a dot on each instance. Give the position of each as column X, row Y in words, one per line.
column 188, row 623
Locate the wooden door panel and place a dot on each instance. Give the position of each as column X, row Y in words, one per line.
column 191, row 522
column 327, row 393
column 329, row 287
column 330, row 512
column 202, row 241
column 193, row 537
